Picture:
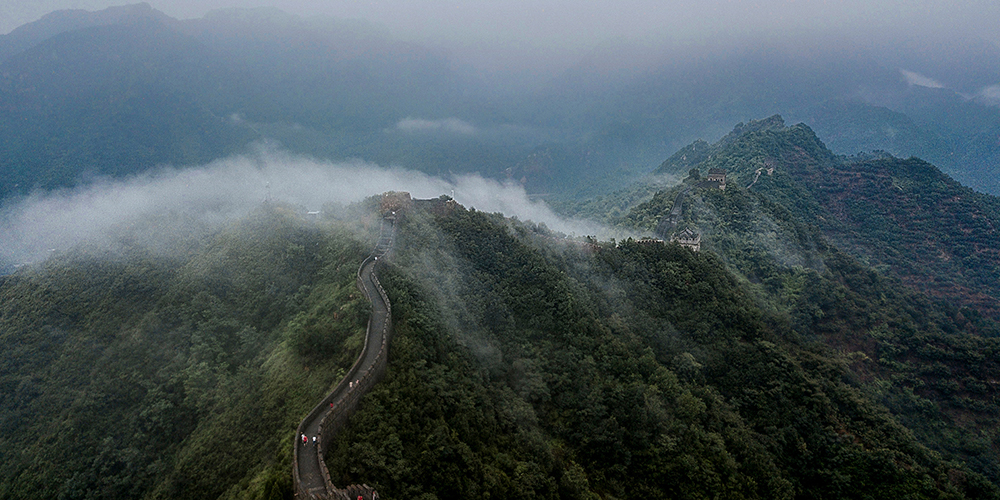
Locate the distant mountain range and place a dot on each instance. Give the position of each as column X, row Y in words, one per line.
column 894, row 92
column 116, row 92
column 122, row 90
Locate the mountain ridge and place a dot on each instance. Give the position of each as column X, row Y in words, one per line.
column 851, row 198
column 885, row 258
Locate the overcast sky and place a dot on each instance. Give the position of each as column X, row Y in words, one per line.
column 572, row 24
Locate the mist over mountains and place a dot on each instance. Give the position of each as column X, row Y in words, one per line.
column 162, row 210
column 115, row 92
column 794, row 356
column 576, row 313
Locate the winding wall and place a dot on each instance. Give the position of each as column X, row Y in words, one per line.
column 310, row 475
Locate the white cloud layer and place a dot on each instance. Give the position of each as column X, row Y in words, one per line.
column 914, row 78
column 227, row 189
column 990, row 95
column 451, row 125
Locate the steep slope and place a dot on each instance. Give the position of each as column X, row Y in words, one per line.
column 928, row 230
column 528, row 365
column 919, row 325
column 145, row 376
column 953, row 130
column 936, row 235
column 523, row 363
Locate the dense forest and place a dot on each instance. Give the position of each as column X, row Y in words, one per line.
column 786, row 359
column 887, row 260
column 140, row 375
column 579, row 369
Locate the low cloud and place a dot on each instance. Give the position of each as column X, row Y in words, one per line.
column 919, row 80
column 512, row 200
column 205, row 197
column 990, row 95
column 449, row 125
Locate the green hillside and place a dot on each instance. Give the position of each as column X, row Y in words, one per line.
column 786, row 359
column 904, row 217
column 527, row 365
column 886, row 260
column 144, row 376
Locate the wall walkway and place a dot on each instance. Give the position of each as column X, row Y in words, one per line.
column 311, row 477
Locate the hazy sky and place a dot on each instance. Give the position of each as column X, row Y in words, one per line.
column 527, row 42
column 582, row 23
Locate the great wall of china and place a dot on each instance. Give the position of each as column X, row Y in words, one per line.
column 310, row 475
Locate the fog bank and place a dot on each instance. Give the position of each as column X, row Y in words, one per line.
column 170, row 202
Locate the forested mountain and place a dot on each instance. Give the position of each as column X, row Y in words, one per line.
column 138, row 374
column 774, row 363
column 903, row 216
column 521, row 364
column 789, row 217
column 633, row 370
column 836, row 334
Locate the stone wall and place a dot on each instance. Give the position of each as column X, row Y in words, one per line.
column 338, row 406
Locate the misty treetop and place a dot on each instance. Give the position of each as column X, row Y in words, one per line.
column 144, row 375
column 526, row 365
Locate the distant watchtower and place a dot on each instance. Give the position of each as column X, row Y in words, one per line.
column 441, row 206
column 395, row 201
column 718, row 176
column 716, row 179
column 688, row 239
